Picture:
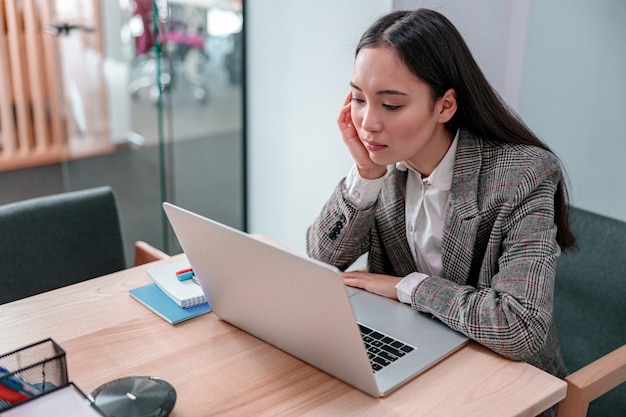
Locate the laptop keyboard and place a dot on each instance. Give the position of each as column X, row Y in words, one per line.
column 382, row 350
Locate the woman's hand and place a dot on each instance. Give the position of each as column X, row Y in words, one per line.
column 384, row 285
column 368, row 169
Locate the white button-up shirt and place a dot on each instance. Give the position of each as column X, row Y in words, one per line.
column 425, row 205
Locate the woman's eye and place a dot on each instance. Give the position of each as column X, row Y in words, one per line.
column 357, row 100
column 391, row 107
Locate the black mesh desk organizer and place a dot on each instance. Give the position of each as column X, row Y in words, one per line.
column 30, row 372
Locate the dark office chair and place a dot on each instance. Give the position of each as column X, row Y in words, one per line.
column 590, row 314
column 58, row 240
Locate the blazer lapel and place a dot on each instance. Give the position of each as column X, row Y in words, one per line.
column 393, row 213
column 462, row 219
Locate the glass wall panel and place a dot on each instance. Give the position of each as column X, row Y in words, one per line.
column 145, row 96
column 133, row 164
column 203, row 45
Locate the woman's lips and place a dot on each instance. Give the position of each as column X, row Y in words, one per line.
column 373, row 146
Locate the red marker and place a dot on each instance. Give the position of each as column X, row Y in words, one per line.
column 182, row 271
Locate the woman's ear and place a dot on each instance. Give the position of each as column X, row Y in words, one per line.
column 447, row 105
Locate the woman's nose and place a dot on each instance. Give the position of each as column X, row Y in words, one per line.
column 371, row 121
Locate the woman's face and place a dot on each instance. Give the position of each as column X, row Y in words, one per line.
column 394, row 114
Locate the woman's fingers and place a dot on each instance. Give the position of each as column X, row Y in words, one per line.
column 380, row 284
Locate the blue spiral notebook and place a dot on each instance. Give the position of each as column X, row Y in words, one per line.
column 163, row 306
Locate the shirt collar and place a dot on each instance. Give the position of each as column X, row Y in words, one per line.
column 441, row 177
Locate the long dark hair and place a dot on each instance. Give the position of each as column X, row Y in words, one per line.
column 434, row 50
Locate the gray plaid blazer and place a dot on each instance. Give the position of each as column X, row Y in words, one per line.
column 499, row 247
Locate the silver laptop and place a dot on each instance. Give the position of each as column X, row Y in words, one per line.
column 302, row 307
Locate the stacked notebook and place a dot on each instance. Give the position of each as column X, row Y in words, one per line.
column 172, row 300
column 185, row 293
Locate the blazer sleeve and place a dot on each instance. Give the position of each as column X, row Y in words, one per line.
column 341, row 233
column 510, row 308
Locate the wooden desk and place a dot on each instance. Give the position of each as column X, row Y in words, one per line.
column 220, row 370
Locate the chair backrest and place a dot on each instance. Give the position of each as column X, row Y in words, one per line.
column 58, row 240
column 590, row 299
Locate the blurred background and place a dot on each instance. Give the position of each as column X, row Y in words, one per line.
column 145, row 96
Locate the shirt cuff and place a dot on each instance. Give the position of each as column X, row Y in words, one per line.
column 360, row 191
column 406, row 286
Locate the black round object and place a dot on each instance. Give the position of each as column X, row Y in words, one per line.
column 135, row 396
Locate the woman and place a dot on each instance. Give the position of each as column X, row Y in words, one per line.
column 461, row 208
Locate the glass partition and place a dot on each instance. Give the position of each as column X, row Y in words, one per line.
column 143, row 95
column 185, row 93
column 202, row 42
